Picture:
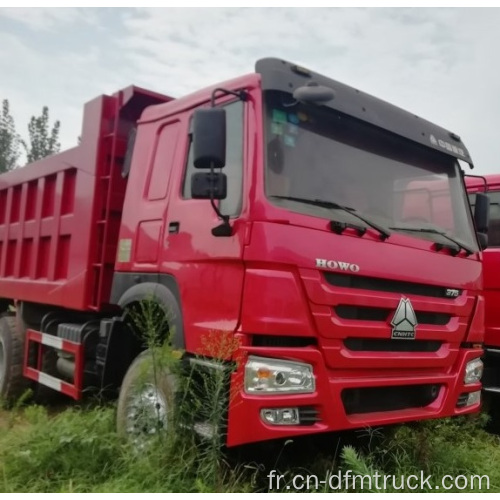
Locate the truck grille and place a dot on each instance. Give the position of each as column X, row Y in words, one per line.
column 283, row 341
column 382, row 314
column 374, row 399
column 392, row 345
column 385, row 285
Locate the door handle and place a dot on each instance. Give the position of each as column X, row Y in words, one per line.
column 173, row 227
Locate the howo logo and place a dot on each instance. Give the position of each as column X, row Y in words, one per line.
column 336, row 264
column 404, row 321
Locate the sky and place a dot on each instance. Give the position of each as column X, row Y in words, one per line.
column 439, row 63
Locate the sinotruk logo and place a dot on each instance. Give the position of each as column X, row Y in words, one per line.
column 404, row 322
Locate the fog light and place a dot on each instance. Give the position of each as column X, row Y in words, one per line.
column 473, row 398
column 280, row 416
column 473, row 371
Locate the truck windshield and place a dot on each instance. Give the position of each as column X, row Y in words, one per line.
column 316, row 153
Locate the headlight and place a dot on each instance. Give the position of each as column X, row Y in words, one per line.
column 271, row 376
column 473, row 371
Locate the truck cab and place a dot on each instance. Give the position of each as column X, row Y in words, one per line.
column 490, row 185
column 351, row 260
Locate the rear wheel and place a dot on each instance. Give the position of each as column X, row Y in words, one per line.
column 12, row 382
column 146, row 400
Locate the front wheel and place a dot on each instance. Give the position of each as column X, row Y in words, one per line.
column 146, row 400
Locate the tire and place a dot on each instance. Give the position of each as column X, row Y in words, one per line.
column 146, row 401
column 12, row 382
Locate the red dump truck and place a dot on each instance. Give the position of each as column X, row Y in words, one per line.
column 476, row 185
column 292, row 212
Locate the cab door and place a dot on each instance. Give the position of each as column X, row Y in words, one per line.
column 209, row 269
column 155, row 184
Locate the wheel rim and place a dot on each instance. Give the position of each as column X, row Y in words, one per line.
column 146, row 414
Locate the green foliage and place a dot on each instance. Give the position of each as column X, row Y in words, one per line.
column 9, row 140
column 43, row 140
column 62, row 453
column 453, row 447
column 78, row 451
column 434, row 449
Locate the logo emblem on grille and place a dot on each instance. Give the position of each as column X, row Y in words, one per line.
column 337, row 264
column 404, row 322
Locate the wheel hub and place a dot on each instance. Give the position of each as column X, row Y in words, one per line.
column 146, row 414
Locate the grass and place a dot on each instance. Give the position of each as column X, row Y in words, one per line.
column 77, row 450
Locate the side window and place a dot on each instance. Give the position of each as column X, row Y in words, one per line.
column 234, row 161
column 494, row 227
column 163, row 160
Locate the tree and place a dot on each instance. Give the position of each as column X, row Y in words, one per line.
column 43, row 140
column 9, row 140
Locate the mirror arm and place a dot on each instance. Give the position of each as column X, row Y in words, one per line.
column 242, row 95
column 224, row 229
column 481, row 177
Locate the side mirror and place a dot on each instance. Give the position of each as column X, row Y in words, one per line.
column 209, row 138
column 482, row 213
column 210, row 185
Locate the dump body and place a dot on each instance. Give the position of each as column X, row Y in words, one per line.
column 60, row 216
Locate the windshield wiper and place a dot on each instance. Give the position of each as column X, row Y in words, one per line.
column 458, row 246
column 338, row 226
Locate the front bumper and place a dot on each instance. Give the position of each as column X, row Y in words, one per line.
column 342, row 402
